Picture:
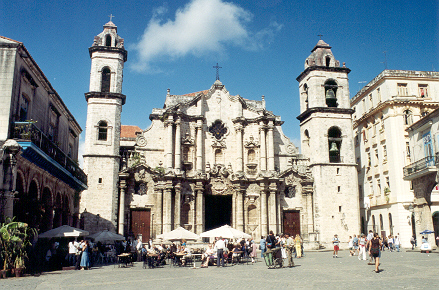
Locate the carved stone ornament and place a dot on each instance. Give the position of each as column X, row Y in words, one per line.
column 290, row 191
column 187, row 140
column 218, row 185
column 251, row 143
column 219, row 144
column 218, row 130
column 141, row 141
column 291, row 149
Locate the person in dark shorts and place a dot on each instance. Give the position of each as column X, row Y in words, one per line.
column 374, row 250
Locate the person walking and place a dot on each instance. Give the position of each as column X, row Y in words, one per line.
column 374, row 250
column 289, row 245
column 397, row 243
column 335, row 242
column 355, row 244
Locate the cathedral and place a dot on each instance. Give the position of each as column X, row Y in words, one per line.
column 211, row 158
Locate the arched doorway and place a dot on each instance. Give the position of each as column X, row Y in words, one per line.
column 27, row 207
column 47, row 210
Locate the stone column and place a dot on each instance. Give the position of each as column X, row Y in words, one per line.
column 263, row 155
column 245, row 215
column 159, row 212
column 169, row 139
column 200, row 208
column 270, row 147
column 178, row 144
column 239, row 159
column 167, row 199
column 177, row 204
column 272, row 210
column 239, row 211
column 233, row 225
column 264, row 219
column 122, row 186
column 199, row 145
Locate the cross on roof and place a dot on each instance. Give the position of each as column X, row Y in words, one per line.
column 320, row 36
column 217, row 71
column 111, row 16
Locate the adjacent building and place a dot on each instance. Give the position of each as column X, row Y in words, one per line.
column 40, row 178
column 384, row 109
column 422, row 173
column 211, row 158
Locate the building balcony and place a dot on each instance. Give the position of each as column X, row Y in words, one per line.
column 421, row 167
column 39, row 149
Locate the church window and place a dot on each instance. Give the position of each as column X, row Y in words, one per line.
column 408, row 117
column 53, row 123
column 331, row 93
column 105, row 83
column 100, row 180
column 108, row 40
column 402, row 90
column 407, row 149
column 334, row 142
column 423, row 90
column 218, row 129
column 328, row 60
column 102, row 131
column 338, row 189
column 251, row 156
column 218, row 156
column 339, row 208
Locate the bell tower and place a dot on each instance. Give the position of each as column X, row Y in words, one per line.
column 102, row 139
column 327, row 140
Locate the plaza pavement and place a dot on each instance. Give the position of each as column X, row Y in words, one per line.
column 317, row 270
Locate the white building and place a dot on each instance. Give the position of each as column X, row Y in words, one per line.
column 384, row 109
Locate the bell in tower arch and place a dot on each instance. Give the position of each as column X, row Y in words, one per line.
column 334, row 149
column 331, row 100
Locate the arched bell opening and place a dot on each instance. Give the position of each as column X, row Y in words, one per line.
column 331, row 93
column 334, row 144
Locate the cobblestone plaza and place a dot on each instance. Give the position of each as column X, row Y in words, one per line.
column 317, row 270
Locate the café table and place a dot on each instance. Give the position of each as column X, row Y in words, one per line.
column 124, row 259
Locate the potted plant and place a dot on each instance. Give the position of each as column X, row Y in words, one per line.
column 15, row 237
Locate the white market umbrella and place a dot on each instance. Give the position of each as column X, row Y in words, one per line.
column 225, row 231
column 63, row 231
column 106, row 236
column 179, row 234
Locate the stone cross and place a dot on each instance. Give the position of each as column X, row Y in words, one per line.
column 217, row 71
column 111, row 16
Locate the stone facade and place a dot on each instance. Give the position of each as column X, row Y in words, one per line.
column 210, row 158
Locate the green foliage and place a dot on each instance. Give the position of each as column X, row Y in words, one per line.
column 15, row 239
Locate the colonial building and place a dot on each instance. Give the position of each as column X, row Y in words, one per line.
column 422, row 173
column 39, row 177
column 384, row 109
column 212, row 158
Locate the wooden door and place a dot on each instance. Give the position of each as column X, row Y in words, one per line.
column 291, row 222
column 140, row 224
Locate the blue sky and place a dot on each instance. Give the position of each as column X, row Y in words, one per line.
column 260, row 45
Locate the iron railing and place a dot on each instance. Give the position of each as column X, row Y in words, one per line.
column 429, row 161
column 27, row 131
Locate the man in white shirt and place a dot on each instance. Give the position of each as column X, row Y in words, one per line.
column 72, row 252
column 220, row 247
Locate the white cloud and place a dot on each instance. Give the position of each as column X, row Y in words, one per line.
column 199, row 28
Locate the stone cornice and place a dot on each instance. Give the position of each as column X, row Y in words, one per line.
column 321, row 68
column 109, row 49
column 105, row 96
column 310, row 111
